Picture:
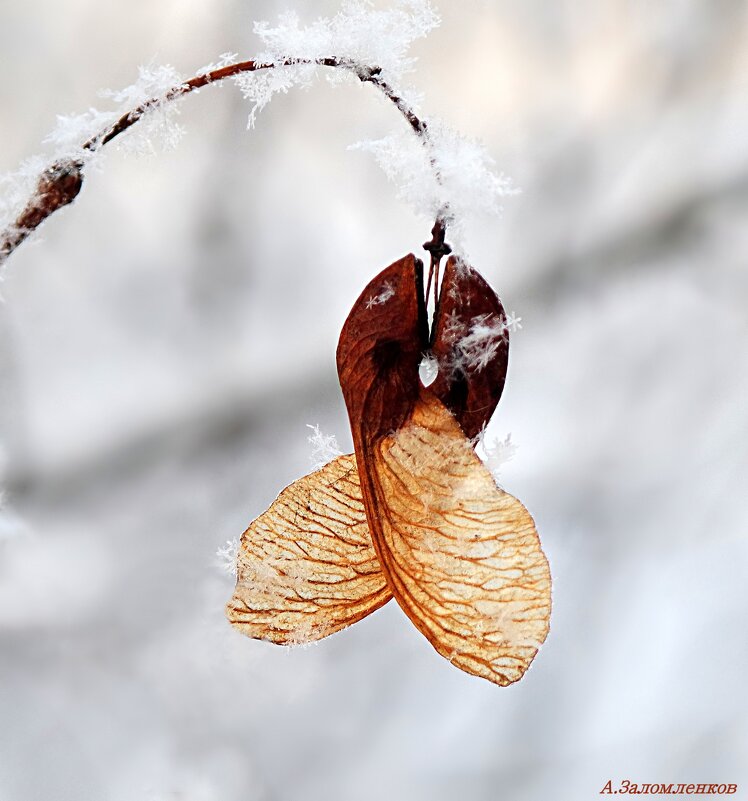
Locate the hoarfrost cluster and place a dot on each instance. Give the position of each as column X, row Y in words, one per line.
column 324, row 447
column 495, row 453
column 359, row 35
column 226, row 556
column 476, row 345
column 17, row 187
column 454, row 172
column 157, row 129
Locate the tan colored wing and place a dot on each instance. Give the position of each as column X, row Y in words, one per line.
column 463, row 557
column 306, row 568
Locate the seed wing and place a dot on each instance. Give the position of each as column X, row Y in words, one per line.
column 306, row 568
column 463, row 557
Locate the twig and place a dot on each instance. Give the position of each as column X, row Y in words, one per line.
column 59, row 184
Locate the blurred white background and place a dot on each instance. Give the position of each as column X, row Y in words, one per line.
column 164, row 342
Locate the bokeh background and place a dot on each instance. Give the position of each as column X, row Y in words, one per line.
column 164, row 343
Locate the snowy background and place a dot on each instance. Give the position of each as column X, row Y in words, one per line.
column 165, row 342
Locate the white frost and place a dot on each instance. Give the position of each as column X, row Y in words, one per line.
column 324, row 447
column 494, row 452
column 359, row 34
column 226, row 556
column 476, row 344
column 468, row 183
column 17, row 187
column 385, row 293
column 157, row 129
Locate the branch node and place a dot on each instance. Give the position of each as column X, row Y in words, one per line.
column 367, row 73
column 437, row 247
column 58, row 186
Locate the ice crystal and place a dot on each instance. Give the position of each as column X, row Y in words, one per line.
column 324, row 447
column 260, row 87
column 359, row 36
column 453, row 172
column 224, row 60
column 495, row 453
column 226, row 556
column 157, row 128
column 17, row 187
column 359, row 33
column 478, row 347
column 437, row 172
column 475, row 344
column 384, row 294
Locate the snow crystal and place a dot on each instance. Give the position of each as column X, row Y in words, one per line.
column 452, row 174
column 479, row 346
column 74, row 129
column 475, row 344
column 224, row 60
column 324, row 447
column 226, row 556
column 158, row 128
column 384, row 294
column 260, row 87
column 495, row 453
column 304, row 636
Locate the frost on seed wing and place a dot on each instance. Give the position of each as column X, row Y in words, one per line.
column 463, row 557
column 306, row 568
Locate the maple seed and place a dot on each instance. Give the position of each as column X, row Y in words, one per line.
column 461, row 557
column 414, row 515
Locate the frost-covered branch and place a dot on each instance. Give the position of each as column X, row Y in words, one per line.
column 444, row 176
column 60, row 183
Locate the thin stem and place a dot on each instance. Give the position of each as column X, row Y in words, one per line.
column 60, row 184
column 438, row 248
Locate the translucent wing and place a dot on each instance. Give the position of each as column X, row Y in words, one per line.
column 463, row 557
column 306, row 568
